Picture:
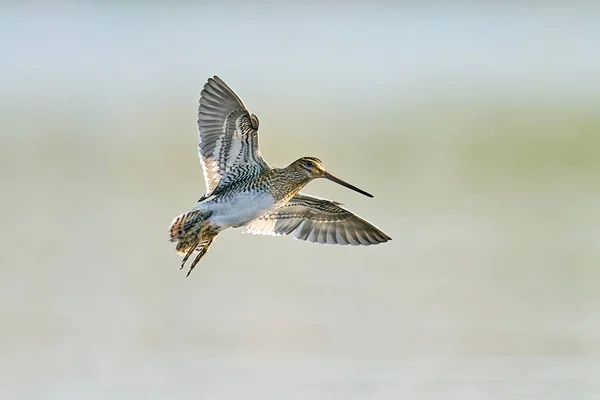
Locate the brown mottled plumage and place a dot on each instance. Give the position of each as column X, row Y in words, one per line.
column 243, row 190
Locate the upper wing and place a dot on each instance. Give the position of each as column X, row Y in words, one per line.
column 228, row 146
column 319, row 221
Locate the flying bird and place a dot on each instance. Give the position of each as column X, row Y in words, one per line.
column 242, row 190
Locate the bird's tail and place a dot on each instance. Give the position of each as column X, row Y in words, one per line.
column 186, row 230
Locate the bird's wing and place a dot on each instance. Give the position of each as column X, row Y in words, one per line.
column 228, row 137
column 319, row 221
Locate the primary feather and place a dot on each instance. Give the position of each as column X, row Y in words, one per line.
column 319, row 221
column 228, row 137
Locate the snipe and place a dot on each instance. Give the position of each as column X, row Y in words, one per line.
column 243, row 190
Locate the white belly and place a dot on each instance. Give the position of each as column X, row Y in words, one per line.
column 238, row 210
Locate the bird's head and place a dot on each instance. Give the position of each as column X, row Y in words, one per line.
column 313, row 168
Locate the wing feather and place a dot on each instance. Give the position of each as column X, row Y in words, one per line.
column 228, row 137
column 319, row 221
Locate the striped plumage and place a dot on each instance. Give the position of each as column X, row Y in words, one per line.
column 228, row 138
column 243, row 190
column 317, row 220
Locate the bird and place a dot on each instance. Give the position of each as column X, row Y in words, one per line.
column 243, row 190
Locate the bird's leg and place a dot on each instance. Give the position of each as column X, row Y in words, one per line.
column 203, row 250
column 190, row 251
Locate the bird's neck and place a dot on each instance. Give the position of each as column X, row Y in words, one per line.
column 286, row 182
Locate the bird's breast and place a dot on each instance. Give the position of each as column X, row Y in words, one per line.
column 237, row 209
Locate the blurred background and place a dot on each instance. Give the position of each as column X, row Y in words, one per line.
column 475, row 126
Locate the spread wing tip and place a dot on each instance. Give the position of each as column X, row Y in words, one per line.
column 344, row 237
column 217, row 97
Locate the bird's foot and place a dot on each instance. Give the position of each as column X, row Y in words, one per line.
column 201, row 253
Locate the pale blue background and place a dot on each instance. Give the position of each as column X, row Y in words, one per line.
column 476, row 127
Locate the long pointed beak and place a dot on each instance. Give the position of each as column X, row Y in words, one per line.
column 346, row 184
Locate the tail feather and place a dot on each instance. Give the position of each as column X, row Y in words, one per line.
column 186, row 230
column 183, row 223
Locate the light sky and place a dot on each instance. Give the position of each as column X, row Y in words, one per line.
column 68, row 50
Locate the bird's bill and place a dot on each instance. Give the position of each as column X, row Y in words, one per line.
column 346, row 184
